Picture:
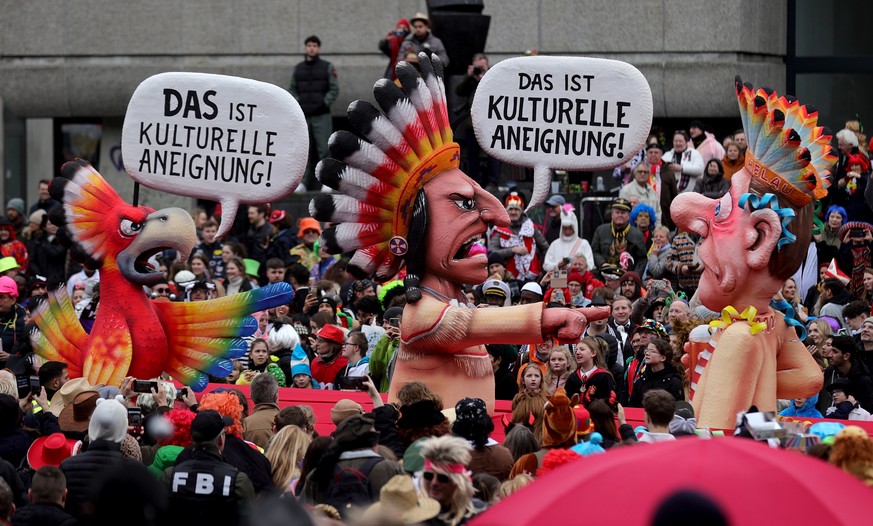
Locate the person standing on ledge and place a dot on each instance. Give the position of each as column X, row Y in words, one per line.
column 314, row 84
column 421, row 39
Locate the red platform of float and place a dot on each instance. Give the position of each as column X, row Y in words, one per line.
column 323, row 401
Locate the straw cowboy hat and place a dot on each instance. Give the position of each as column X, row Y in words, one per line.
column 67, row 393
column 398, row 500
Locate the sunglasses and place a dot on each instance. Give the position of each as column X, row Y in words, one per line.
column 441, row 478
column 162, row 290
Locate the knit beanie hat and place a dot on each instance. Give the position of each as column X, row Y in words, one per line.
column 343, row 409
column 109, row 421
column 17, row 204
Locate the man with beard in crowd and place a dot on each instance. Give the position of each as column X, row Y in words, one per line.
column 618, row 236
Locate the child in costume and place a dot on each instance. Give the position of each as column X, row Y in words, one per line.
column 402, row 201
column 754, row 238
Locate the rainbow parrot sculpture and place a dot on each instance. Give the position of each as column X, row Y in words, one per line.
column 132, row 334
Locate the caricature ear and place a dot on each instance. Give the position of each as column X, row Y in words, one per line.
column 762, row 238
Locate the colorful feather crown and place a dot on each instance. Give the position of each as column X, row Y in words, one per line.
column 786, row 148
column 410, row 143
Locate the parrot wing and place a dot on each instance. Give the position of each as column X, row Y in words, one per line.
column 58, row 335
column 108, row 359
column 205, row 335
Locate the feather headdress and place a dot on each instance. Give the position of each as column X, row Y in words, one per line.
column 787, row 150
column 410, row 144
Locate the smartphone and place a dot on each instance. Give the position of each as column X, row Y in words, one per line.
column 144, row 386
column 134, row 417
column 559, row 279
column 857, row 233
column 181, row 393
column 351, row 383
column 394, row 322
column 658, row 284
column 23, row 383
column 35, row 386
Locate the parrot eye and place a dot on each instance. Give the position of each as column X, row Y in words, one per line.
column 129, row 228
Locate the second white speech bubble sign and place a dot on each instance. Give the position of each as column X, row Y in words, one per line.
column 228, row 139
column 569, row 113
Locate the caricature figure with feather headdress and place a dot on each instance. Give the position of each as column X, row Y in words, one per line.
column 403, row 202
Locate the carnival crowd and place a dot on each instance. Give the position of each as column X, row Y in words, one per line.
column 79, row 453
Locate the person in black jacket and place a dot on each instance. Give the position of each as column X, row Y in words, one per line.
column 16, row 486
column 204, row 488
column 106, row 433
column 660, row 373
column 47, row 254
column 14, row 439
column 502, row 357
column 236, row 451
column 844, row 365
column 48, row 493
column 12, row 315
column 315, row 86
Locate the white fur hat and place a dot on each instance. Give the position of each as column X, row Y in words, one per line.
column 109, row 421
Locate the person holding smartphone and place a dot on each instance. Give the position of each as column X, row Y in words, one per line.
column 857, row 239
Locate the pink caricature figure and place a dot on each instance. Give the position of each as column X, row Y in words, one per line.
column 403, row 201
column 755, row 237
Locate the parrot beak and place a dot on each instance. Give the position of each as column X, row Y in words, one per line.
column 168, row 228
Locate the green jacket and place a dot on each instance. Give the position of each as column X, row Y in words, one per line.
column 381, row 362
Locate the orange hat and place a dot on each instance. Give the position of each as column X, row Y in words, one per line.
column 308, row 223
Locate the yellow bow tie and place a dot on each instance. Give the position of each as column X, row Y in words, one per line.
column 729, row 315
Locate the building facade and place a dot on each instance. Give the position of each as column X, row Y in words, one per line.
column 69, row 67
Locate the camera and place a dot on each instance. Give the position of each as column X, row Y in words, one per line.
column 477, row 70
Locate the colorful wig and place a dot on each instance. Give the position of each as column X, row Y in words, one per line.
column 181, row 420
column 643, row 207
column 227, row 404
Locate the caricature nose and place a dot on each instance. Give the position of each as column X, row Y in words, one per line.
column 490, row 209
column 692, row 211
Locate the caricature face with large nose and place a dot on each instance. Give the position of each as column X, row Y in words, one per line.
column 459, row 211
column 737, row 244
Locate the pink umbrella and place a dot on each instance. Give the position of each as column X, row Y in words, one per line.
column 750, row 482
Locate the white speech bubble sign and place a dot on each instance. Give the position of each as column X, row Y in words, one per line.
column 565, row 113
column 228, row 139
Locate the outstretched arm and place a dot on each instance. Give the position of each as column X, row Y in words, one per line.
column 797, row 374
column 433, row 325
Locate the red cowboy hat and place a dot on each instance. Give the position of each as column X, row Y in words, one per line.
column 50, row 450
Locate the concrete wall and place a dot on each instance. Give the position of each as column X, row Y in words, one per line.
column 85, row 57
